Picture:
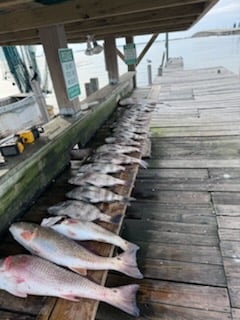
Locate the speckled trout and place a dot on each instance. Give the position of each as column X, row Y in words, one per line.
column 86, row 230
column 57, row 248
column 97, row 179
column 100, row 167
column 81, row 210
column 116, row 148
column 95, row 195
column 22, row 275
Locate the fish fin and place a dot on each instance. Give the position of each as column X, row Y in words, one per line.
column 116, row 219
column 131, row 246
column 124, row 298
column 13, row 290
column 48, row 222
column 70, row 297
column 81, row 271
column 127, row 264
column 143, row 164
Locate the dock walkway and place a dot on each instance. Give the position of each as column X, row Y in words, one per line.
column 187, row 215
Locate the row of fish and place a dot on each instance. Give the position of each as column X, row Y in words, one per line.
column 74, row 219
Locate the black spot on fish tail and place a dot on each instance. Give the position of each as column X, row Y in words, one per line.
column 116, row 219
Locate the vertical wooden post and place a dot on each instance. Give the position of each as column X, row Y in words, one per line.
column 167, row 47
column 132, row 67
column 53, row 38
column 110, row 52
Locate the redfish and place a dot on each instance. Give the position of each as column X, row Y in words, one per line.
column 63, row 251
column 23, row 275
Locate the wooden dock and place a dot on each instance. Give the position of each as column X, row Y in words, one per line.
column 187, row 215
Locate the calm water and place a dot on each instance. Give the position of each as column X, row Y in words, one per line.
column 196, row 52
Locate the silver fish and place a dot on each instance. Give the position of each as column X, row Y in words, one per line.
column 99, row 167
column 122, row 141
column 86, row 230
column 95, row 195
column 79, row 154
column 23, row 275
column 55, row 247
column 82, row 211
column 116, row 148
column 129, row 135
column 96, row 179
column 119, row 159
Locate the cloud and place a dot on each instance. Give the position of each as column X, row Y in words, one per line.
column 225, row 7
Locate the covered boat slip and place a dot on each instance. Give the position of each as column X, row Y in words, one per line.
column 186, row 216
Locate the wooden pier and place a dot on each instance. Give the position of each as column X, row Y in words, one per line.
column 187, row 215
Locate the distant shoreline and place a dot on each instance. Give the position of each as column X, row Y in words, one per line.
column 217, row 32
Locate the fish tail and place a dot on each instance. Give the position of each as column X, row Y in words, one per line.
column 143, row 164
column 131, row 246
column 123, row 298
column 127, row 200
column 126, row 263
column 116, row 219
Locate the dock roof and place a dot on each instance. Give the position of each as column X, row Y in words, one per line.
column 21, row 19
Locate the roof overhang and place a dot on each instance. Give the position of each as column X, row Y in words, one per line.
column 20, row 20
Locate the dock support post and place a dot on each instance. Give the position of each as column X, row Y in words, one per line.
column 167, row 48
column 110, row 52
column 132, row 67
column 53, row 38
column 149, row 71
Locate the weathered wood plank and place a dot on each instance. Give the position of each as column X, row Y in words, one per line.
column 229, row 234
column 4, row 315
column 172, row 173
column 179, row 271
column 174, row 196
column 229, row 198
column 179, row 252
column 229, row 222
column 230, row 249
column 165, row 226
column 176, row 212
column 236, row 314
column 227, row 209
column 178, row 294
column 156, row 311
column 194, row 163
column 30, row 306
column 170, row 237
column 187, row 185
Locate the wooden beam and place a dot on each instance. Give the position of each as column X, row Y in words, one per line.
column 82, row 38
column 77, row 10
column 32, row 35
column 207, row 6
column 110, row 52
column 146, row 48
column 107, row 23
column 134, row 18
column 138, row 29
column 121, row 55
column 52, row 39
